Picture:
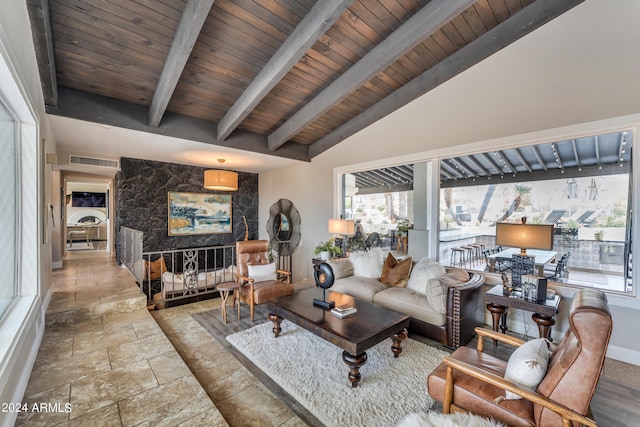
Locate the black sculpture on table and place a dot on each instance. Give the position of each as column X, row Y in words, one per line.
column 323, row 275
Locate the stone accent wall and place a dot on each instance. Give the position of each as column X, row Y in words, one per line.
column 141, row 197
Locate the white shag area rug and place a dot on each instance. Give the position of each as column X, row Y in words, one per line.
column 434, row 419
column 312, row 371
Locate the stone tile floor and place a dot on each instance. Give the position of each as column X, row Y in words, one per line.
column 117, row 364
column 105, row 356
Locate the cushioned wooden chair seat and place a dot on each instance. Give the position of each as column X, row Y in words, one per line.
column 263, row 291
column 476, row 397
column 470, row 380
column 256, row 253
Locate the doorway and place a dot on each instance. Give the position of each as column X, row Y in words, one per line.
column 87, row 216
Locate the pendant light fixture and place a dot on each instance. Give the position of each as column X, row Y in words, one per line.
column 220, row 179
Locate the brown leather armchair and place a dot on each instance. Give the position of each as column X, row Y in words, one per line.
column 470, row 380
column 255, row 252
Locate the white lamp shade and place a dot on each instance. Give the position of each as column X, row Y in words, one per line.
column 341, row 226
column 219, row 179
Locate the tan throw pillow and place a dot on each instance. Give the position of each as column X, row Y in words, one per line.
column 457, row 273
column 454, row 277
column 156, row 268
column 396, row 273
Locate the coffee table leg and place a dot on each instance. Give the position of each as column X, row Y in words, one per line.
column 544, row 324
column 396, row 347
column 354, row 363
column 276, row 323
column 498, row 318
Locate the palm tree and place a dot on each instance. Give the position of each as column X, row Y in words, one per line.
column 485, row 202
column 520, row 190
column 447, row 202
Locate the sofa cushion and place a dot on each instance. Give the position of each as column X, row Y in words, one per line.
column 394, row 272
column 422, row 272
column 359, row 287
column 527, row 365
column 436, row 293
column 367, row 264
column 341, row 267
column 409, row 302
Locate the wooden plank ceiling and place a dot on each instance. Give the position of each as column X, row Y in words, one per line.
column 290, row 78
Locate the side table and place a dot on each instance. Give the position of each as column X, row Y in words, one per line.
column 224, row 289
column 543, row 312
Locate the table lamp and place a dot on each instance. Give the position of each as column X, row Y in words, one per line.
column 524, row 236
column 343, row 227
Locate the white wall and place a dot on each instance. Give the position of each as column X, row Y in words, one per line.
column 573, row 76
column 28, row 327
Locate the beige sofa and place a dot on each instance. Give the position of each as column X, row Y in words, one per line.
column 447, row 314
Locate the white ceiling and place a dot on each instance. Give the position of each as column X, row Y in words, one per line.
column 93, row 139
column 609, row 46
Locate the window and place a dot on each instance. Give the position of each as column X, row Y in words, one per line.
column 581, row 186
column 8, row 205
column 380, row 201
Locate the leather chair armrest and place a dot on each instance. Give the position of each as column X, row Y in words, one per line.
column 567, row 414
column 246, row 279
column 507, row 339
column 285, row 273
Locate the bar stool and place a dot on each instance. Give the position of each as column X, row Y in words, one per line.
column 224, row 289
column 459, row 253
column 477, row 253
column 468, row 253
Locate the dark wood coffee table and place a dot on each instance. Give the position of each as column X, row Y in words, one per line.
column 371, row 325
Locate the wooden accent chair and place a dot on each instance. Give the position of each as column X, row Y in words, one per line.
column 255, row 252
column 470, row 380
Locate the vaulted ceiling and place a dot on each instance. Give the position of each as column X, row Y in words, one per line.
column 291, row 78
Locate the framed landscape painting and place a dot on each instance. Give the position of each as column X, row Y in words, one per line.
column 199, row 213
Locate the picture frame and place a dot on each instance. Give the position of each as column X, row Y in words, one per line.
column 199, row 213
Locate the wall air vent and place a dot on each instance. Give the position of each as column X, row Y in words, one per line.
column 92, row 161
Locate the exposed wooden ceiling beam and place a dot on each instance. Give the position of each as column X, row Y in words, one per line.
column 446, row 175
column 489, row 160
column 319, row 19
column 539, row 157
column 505, row 161
column 573, row 172
column 478, row 165
column 110, row 111
column 193, row 17
column 43, row 43
column 519, row 25
column 420, row 26
column 523, row 162
column 575, row 152
column 450, row 168
column 384, row 189
column 459, row 164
